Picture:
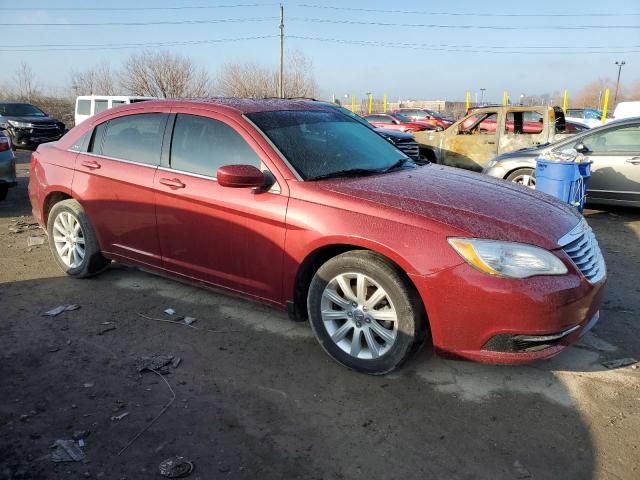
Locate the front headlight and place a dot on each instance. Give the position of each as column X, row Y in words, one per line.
column 491, row 164
column 13, row 123
column 507, row 259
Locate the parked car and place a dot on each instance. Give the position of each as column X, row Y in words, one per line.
column 7, row 166
column 395, row 121
column 425, row 115
column 88, row 105
column 587, row 116
column 403, row 141
column 27, row 125
column 297, row 205
column 476, row 139
column 614, row 150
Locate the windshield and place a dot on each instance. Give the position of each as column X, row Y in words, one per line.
column 402, row 117
column 322, row 143
column 20, row 110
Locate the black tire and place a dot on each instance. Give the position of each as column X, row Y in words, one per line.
column 4, row 189
column 411, row 318
column 519, row 173
column 93, row 261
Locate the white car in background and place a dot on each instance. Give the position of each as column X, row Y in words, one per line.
column 89, row 105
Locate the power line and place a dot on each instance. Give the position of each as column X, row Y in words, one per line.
column 139, row 24
column 108, row 9
column 484, row 27
column 449, row 48
column 453, row 14
column 120, row 46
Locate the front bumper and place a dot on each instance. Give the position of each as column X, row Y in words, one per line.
column 23, row 137
column 494, row 320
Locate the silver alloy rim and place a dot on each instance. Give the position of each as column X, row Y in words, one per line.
column 526, row 180
column 68, row 238
column 359, row 316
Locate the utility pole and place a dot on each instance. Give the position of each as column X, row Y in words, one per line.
column 281, row 77
column 620, row 65
column 482, row 96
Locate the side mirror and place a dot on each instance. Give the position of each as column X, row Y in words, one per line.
column 581, row 148
column 439, row 128
column 240, row 176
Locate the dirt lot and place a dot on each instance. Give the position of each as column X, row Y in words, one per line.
column 255, row 397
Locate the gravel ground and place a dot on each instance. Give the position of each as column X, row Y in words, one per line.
column 255, row 397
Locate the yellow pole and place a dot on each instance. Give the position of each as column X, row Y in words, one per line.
column 605, row 105
column 565, row 102
column 468, row 103
column 505, row 98
column 333, row 99
column 353, row 103
column 384, row 103
column 370, row 103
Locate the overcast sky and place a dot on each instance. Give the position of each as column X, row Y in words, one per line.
column 510, row 52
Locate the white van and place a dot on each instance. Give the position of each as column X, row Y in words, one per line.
column 626, row 110
column 88, row 105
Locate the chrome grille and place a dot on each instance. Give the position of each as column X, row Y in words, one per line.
column 583, row 249
column 409, row 148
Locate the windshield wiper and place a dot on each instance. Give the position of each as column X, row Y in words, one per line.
column 349, row 172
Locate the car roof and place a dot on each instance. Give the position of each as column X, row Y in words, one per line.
column 244, row 105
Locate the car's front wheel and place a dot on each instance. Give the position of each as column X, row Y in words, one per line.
column 73, row 241
column 523, row 176
column 364, row 314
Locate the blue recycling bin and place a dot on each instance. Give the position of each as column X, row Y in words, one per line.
column 566, row 181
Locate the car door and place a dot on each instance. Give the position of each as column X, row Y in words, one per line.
column 228, row 237
column 114, row 180
column 615, row 172
column 472, row 142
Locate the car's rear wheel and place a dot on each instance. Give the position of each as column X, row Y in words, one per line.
column 4, row 189
column 363, row 313
column 523, row 176
column 73, row 241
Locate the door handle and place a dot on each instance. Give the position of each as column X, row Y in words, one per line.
column 91, row 164
column 634, row 160
column 172, row 183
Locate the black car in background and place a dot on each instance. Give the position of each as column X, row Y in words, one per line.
column 27, row 125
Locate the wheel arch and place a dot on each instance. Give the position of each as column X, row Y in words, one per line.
column 297, row 308
column 51, row 198
column 518, row 167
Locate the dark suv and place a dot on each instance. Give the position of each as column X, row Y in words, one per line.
column 27, row 125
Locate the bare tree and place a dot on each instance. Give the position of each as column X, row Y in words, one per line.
column 96, row 80
column 592, row 94
column 25, row 83
column 247, row 80
column 164, row 74
column 257, row 81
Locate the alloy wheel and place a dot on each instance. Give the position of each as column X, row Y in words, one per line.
column 525, row 180
column 68, row 239
column 359, row 316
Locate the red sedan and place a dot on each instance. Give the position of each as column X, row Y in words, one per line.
column 396, row 121
column 298, row 205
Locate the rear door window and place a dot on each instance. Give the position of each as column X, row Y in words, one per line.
column 201, row 145
column 523, row 123
column 137, row 138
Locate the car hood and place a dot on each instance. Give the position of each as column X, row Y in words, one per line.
column 523, row 153
column 474, row 205
column 34, row 120
column 394, row 134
